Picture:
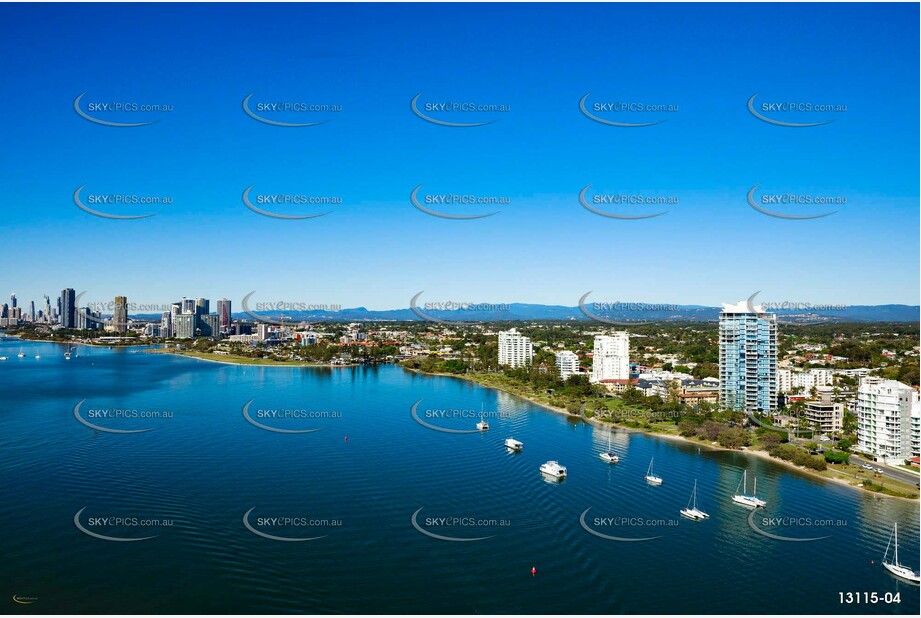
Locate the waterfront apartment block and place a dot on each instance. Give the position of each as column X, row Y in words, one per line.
column 611, row 357
column 825, row 413
column 884, row 409
column 515, row 350
column 748, row 358
column 567, row 363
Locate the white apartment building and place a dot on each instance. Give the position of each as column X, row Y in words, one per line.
column 567, row 363
column 789, row 380
column 916, row 429
column 515, row 350
column 884, row 410
column 611, row 357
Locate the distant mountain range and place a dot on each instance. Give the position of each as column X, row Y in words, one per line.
column 527, row 312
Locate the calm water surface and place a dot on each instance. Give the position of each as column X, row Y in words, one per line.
column 358, row 481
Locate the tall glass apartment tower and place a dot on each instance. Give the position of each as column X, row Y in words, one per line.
column 748, row 358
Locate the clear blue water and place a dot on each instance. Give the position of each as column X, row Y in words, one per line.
column 369, row 469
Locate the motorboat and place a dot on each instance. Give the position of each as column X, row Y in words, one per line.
column 553, row 468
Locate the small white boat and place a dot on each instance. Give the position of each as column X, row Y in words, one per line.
column 692, row 512
column 21, row 353
column 38, row 357
column 553, row 468
column 3, row 358
column 609, row 456
column 482, row 425
column 651, row 477
column 513, row 444
column 899, row 570
column 751, row 501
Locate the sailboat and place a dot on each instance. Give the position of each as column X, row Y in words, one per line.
column 482, row 425
column 651, row 477
column 744, row 498
column 21, row 353
column 609, row 455
column 67, row 354
column 899, row 570
column 692, row 512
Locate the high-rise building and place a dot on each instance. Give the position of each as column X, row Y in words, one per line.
column 166, row 324
column 210, row 325
column 188, row 305
column 120, row 315
column 202, row 306
column 223, row 311
column 567, row 363
column 748, row 358
column 884, row 410
column 13, row 300
column 515, row 349
column 185, row 326
column 32, row 314
column 68, row 308
column 611, row 357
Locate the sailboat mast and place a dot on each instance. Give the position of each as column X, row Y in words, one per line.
column 896, row 556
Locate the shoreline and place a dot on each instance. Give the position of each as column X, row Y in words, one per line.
column 760, row 454
column 255, row 364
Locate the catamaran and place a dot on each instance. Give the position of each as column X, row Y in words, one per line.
column 513, row 445
column 553, row 468
column 482, row 425
column 744, row 498
column 651, row 477
column 899, row 570
column 692, row 512
column 609, row 456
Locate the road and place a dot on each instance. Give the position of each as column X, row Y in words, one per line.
column 897, row 474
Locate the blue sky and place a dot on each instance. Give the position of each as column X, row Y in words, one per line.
column 376, row 249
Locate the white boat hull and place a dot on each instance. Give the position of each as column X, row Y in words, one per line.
column 653, row 480
column 694, row 514
column 607, row 457
column 749, row 501
column 903, row 572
